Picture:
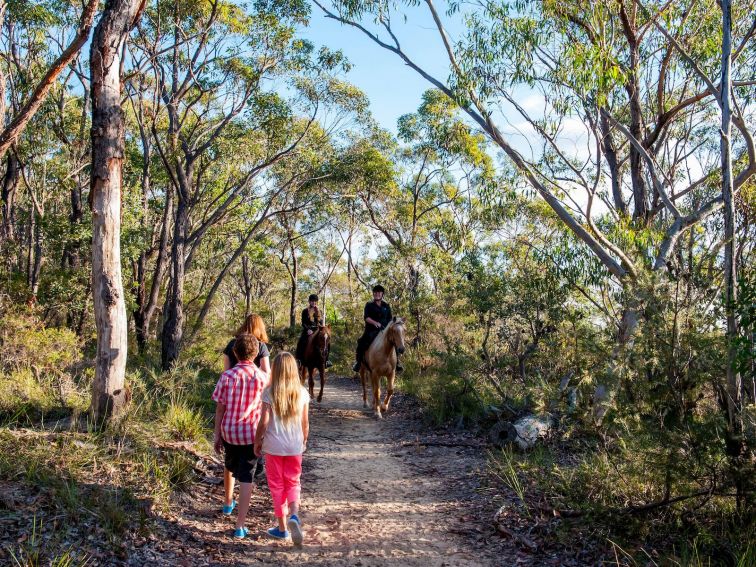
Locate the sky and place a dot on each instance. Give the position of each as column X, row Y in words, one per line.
column 393, row 88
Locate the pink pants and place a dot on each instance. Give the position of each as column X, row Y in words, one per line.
column 283, row 480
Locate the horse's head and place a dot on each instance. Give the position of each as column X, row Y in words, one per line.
column 322, row 340
column 395, row 334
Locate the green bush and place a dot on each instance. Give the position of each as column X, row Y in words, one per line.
column 184, row 423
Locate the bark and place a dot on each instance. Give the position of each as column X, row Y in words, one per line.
column 640, row 200
column 11, row 132
column 72, row 251
column 603, row 395
column 247, row 286
column 109, row 395
column 10, row 183
column 734, row 390
column 611, row 159
column 173, row 313
column 293, row 275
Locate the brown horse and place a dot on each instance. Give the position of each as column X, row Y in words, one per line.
column 380, row 360
column 315, row 356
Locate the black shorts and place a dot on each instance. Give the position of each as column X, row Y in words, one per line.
column 241, row 461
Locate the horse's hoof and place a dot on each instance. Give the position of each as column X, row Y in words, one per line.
column 378, row 415
column 320, row 398
column 384, row 407
column 364, row 405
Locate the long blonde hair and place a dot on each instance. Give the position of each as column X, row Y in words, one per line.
column 285, row 389
column 254, row 325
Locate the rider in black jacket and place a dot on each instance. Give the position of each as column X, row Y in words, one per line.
column 377, row 317
column 311, row 320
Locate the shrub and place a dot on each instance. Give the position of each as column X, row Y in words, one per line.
column 184, row 423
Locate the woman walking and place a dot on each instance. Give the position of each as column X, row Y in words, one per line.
column 253, row 325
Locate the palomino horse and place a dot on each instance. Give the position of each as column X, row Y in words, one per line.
column 380, row 360
column 315, row 356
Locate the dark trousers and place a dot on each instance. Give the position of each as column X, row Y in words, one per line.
column 364, row 342
column 301, row 345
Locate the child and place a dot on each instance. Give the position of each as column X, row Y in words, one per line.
column 238, row 395
column 282, row 437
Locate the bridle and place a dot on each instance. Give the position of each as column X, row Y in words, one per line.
column 326, row 339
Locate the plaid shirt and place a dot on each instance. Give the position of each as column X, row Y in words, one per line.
column 240, row 389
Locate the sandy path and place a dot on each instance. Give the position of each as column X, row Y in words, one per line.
column 374, row 493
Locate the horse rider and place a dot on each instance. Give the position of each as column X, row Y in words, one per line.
column 377, row 317
column 311, row 320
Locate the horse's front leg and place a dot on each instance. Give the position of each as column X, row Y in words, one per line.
column 311, row 382
column 389, row 391
column 321, row 371
column 376, row 395
column 364, row 387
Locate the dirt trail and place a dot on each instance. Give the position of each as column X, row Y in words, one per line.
column 374, row 493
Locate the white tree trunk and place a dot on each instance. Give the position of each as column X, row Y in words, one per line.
column 109, row 395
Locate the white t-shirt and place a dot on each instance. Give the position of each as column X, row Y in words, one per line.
column 279, row 439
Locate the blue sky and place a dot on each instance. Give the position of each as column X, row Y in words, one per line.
column 393, row 88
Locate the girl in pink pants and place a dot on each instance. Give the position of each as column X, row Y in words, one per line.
column 282, row 436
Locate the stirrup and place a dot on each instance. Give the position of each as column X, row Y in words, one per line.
column 399, row 368
column 356, row 367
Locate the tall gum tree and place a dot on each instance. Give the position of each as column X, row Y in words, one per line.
column 632, row 81
column 109, row 395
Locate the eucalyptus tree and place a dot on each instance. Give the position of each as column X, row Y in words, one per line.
column 28, row 30
column 424, row 202
column 108, row 394
column 210, row 63
column 631, row 85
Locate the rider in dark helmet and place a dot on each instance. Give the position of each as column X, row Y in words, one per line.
column 311, row 320
column 377, row 317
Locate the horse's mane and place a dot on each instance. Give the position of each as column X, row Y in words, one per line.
column 383, row 336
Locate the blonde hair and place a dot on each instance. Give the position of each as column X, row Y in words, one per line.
column 285, row 389
column 254, row 325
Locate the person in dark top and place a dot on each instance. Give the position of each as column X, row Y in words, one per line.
column 253, row 325
column 311, row 320
column 377, row 317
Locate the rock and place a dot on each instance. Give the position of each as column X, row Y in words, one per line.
column 525, row 432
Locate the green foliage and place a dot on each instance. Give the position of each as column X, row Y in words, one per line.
column 184, row 423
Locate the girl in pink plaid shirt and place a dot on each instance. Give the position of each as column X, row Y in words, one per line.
column 238, row 395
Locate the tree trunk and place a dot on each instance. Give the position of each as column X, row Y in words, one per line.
column 109, row 395
column 603, row 395
column 736, row 449
column 247, row 286
column 293, row 275
column 147, row 311
column 71, row 252
column 10, row 182
column 173, row 313
column 414, row 308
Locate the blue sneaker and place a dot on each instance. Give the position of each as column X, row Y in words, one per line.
column 278, row 534
column 240, row 533
column 228, row 508
column 296, row 530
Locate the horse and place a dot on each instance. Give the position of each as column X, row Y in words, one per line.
column 380, row 360
column 315, row 356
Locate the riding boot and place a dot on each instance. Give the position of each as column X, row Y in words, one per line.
column 328, row 363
